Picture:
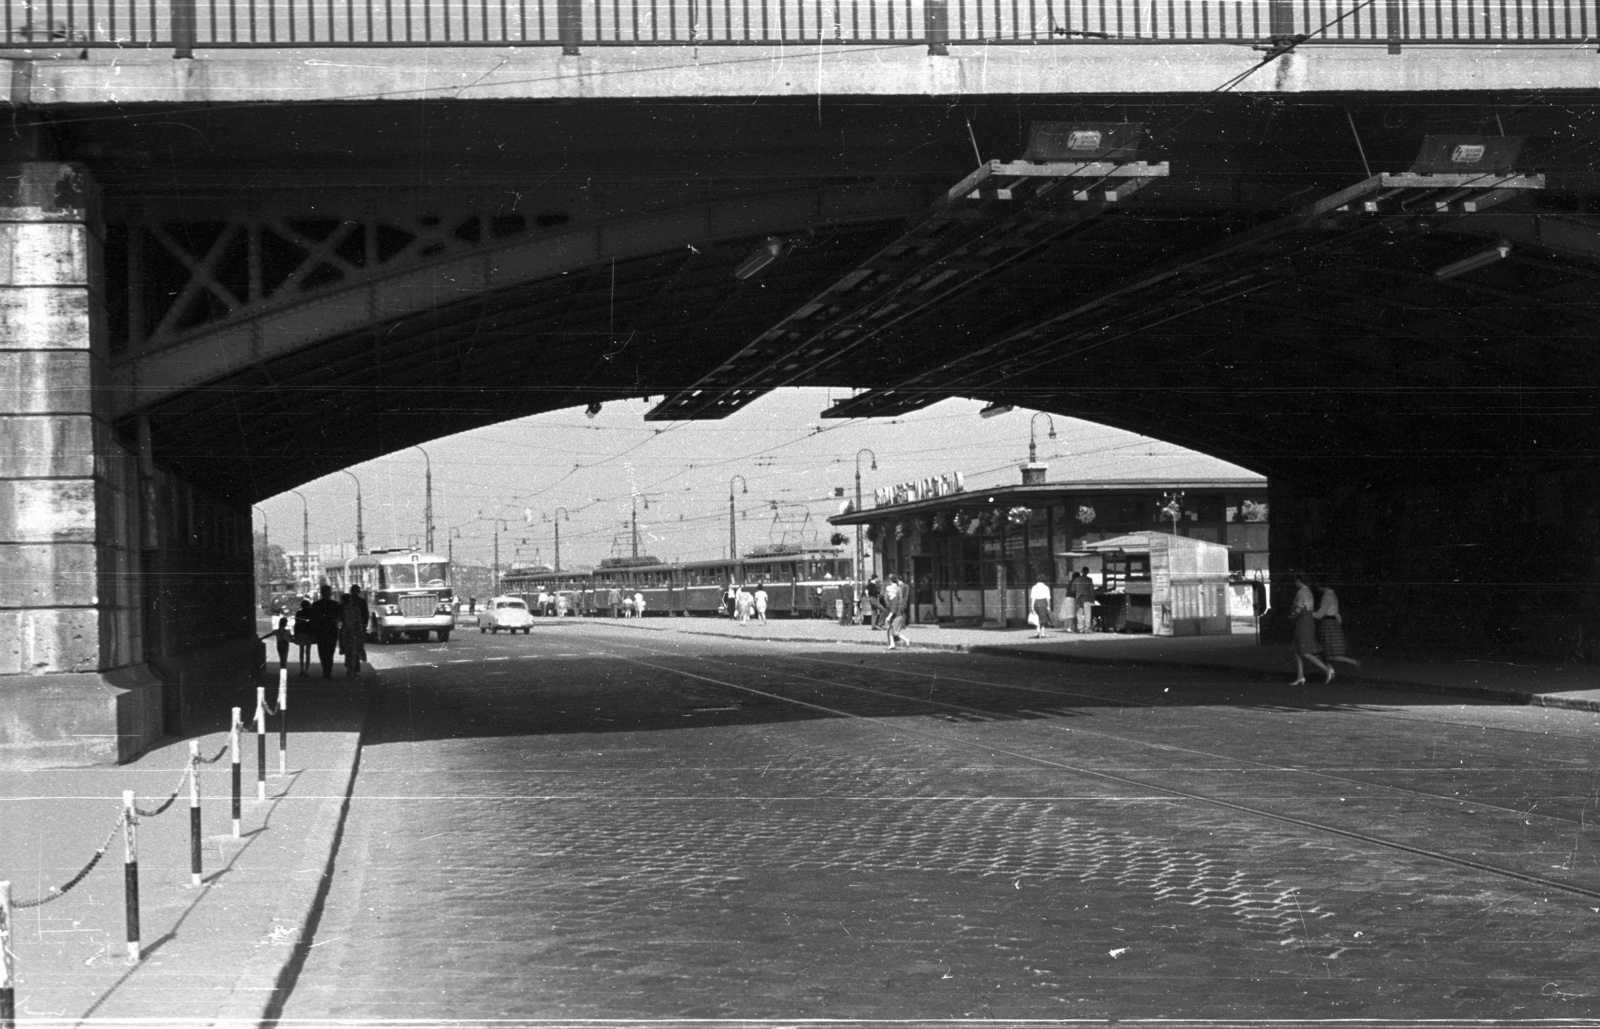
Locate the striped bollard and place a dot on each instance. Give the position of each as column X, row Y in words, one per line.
column 8, row 978
column 261, row 743
column 233, row 747
column 130, row 872
column 283, row 721
column 194, row 813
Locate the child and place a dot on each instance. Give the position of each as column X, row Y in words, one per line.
column 282, row 634
column 302, row 635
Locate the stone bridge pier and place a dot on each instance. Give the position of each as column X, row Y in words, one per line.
column 123, row 589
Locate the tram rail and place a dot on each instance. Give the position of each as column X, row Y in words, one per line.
column 1369, row 839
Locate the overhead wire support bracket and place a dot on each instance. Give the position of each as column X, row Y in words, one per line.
column 992, row 217
column 1439, row 182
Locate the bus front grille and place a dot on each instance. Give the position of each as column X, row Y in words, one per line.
column 417, row 607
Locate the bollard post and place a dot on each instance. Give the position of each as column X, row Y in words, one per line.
column 8, row 977
column 283, row 721
column 233, row 747
column 130, row 872
column 261, row 743
column 194, row 813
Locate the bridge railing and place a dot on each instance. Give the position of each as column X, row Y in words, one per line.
column 182, row 24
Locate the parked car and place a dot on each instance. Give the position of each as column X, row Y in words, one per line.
column 508, row 613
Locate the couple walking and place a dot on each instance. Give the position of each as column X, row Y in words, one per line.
column 1318, row 632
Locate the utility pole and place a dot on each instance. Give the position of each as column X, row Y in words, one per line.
column 305, row 540
column 733, row 535
column 427, row 508
column 562, row 512
column 860, row 554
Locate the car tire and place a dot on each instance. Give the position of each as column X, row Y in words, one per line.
column 444, row 635
column 481, row 630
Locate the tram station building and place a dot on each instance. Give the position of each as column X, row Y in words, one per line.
column 971, row 556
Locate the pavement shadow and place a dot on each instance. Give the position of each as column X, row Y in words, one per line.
column 712, row 684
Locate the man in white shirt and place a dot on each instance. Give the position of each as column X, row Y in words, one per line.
column 1040, row 595
column 894, row 600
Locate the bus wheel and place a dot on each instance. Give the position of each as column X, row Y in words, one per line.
column 444, row 635
column 481, row 630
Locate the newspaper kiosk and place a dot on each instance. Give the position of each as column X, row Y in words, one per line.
column 1163, row 584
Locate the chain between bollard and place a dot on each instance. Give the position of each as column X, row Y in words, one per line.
column 57, row 892
column 272, row 712
column 213, row 759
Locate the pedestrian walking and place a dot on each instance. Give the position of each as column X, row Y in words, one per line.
column 325, row 615
column 353, row 631
column 761, row 603
column 895, row 601
column 614, row 599
column 875, row 600
column 742, row 604
column 561, row 605
column 1330, row 631
column 281, row 634
column 1306, row 647
column 730, row 599
column 1083, row 599
column 638, row 605
column 302, row 635
column 1039, row 617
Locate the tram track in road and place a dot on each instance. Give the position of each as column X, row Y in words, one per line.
column 1174, row 748
column 945, row 738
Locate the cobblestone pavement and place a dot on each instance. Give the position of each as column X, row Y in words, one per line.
column 584, row 823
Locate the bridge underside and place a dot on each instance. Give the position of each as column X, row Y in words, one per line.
column 274, row 310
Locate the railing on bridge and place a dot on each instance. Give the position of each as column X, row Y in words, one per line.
column 183, row 24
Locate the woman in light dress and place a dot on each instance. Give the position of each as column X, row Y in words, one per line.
column 761, row 603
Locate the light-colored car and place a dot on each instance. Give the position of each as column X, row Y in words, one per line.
column 508, row 613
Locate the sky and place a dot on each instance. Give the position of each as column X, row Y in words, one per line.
column 519, row 476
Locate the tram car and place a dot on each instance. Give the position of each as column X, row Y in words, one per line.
column 408, row 592
column 800, row 583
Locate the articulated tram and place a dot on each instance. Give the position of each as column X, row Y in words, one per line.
column 799, row 584
column 408, row 592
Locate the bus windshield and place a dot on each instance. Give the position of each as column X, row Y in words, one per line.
column 428, row 574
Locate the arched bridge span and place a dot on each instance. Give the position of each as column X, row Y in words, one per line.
column 1411, row 363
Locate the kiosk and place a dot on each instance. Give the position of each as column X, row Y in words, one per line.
column 1163, row 584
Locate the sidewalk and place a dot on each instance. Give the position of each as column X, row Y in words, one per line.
column 1574, row 686
column 213, row 954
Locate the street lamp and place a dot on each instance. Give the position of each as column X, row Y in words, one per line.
column 427, row 510
column 561, row 512
column 1033, row 447
column 305, row 538
column 450, row 546
column 860, row 556
column 733, row 539
column 361, row 536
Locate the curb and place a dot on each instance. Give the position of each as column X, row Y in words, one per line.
column 268, row 972
column 1033, row 654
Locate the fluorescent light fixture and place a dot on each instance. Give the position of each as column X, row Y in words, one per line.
column 769, row 250
column 1499, row 252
